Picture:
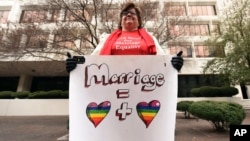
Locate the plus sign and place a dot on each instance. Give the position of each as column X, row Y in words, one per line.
column 123, row 111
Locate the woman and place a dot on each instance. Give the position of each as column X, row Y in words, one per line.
column 129, row 39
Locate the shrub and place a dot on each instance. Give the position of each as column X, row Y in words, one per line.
column 6, row 95
column 229, row 91
column 37, row 95
column 209, row 91
column 53, row 94
column 58, row 94
column 184, row 107
column 196, row 92
column 65, row 94
column 220, row 114
column 22, row 94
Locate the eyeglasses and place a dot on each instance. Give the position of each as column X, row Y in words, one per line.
column 125, row 13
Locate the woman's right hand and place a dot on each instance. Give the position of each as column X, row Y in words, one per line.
column 70, row 63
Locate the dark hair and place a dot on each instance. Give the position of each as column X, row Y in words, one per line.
column 137, row 10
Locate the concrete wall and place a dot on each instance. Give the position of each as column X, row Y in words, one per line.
column 33, row 107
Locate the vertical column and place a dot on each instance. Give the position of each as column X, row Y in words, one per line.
column 248, row 91
column 193, row 50
column 187, row 8
column 24, row 83
column 15, row 13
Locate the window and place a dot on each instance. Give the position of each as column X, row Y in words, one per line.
column 84, row 43
column 190, row 30
column 149, row 11
column 187, row 50
column 37, row 41
column 55, row 15
column 195, row 30
column 8, row 83
column 202, row 10
column 49, row 83
column 76, row 15
column 151, row 15
column 175, row 10
column 113, row 14
column 4, row 16
column 72, row 38
column 64, row 40
column 31, row 16
column 204, row 51
column 216, row 29
column 110, row 14
column 187, row 82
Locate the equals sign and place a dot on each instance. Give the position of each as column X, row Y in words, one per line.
column 122, row 93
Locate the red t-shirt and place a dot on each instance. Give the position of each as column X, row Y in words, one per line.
column 129, row 43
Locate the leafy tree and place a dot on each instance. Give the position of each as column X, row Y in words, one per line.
column 232, row 45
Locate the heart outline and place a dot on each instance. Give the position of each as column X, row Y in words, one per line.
column 96, row 113
column 148, row 111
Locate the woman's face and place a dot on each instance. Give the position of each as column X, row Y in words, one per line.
column 129, row 20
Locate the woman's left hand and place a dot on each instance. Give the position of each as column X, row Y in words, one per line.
column 177, row 61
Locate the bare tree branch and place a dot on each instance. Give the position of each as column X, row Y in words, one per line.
column 59, row 26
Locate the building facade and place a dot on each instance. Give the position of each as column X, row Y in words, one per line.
column 187, row 24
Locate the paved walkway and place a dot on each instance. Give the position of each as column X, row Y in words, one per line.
column 50, row 128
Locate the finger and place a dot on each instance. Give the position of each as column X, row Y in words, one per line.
column 179, row 53
column 69, row 55
column 177, row 59
column 70, row 60
column 177, row 62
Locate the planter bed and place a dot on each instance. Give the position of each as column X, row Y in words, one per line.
column 33, row 107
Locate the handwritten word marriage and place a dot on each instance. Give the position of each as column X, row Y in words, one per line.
column 95, row 74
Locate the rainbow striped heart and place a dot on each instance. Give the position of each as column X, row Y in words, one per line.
column 148, row 111
column 96, row 113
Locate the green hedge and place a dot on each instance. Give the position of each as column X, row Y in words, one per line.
column 21, row 95
column 6, row 95
column 53, row 94
column 183, row 106
column 209, row 91
column 220, row 114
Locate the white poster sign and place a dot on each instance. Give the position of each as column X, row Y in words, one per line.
column 123, row 98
